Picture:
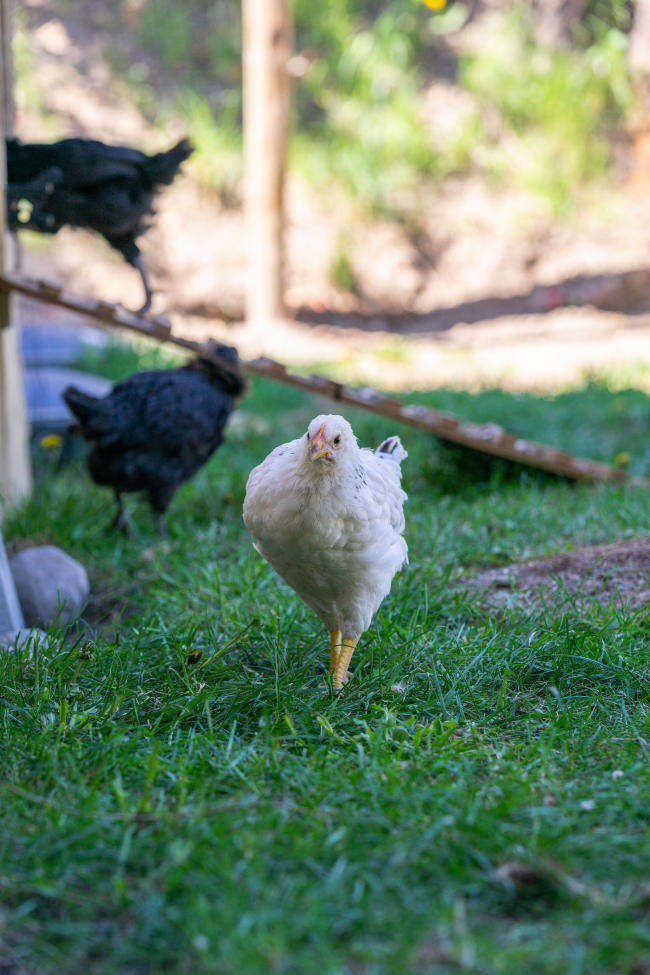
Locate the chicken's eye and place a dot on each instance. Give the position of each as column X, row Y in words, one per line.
column 308, row 437
column 337, row 440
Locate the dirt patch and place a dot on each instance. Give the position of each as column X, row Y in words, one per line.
column 618, row 573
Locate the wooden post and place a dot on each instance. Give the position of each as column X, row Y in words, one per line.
column 639, row 39
column 267, row 42
column 15, row 467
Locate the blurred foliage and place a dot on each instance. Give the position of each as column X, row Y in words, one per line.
column 341, row 271
column 602, row 16
column 557, row 109
column 217, row 144
column 535, row 118
column 202, row 38
column 359, row 120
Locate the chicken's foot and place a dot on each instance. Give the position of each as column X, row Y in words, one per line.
column 335, row 649
column 161, row 527
column 339, row 667
column 122, row 521
column 139, row 265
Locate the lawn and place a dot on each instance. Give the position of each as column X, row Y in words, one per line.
column 476, row 800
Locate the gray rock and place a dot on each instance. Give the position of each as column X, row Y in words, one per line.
column 26, row 636
column 51, row 585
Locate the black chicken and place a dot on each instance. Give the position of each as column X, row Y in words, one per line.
column 108, row 189
column 154, row 430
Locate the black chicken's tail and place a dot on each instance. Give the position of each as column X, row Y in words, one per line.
column 162, row 168
column 89, row 410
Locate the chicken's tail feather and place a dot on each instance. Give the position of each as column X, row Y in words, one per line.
column 89, row 411
column 162, row 168
column 392, row 447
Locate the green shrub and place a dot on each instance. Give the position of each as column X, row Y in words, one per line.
column 558, row 108
column 341, row 272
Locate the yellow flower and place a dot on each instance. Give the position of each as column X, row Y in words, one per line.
column 51, row 440
column 435, row 4
column 25, row 208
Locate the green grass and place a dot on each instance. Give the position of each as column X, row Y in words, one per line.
column 232, row 817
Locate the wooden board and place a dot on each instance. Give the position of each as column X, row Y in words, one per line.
column 488, row 438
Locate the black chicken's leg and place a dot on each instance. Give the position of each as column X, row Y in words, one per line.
column 161, row 527
column 121, row 519
column 138, row 264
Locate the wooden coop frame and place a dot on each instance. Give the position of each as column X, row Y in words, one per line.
column 15, row 466
column 267, row 49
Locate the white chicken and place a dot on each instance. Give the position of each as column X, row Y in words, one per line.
column 327, row 515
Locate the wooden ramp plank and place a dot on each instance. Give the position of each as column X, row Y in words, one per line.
column 488, row 438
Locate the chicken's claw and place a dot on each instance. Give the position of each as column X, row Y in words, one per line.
column 343, row 652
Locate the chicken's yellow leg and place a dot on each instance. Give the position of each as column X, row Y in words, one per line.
column 335, row 649
column 340, row 672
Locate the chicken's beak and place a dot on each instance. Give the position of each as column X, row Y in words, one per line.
column 319, row 449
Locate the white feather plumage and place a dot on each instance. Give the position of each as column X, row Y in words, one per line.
column 327, row 515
